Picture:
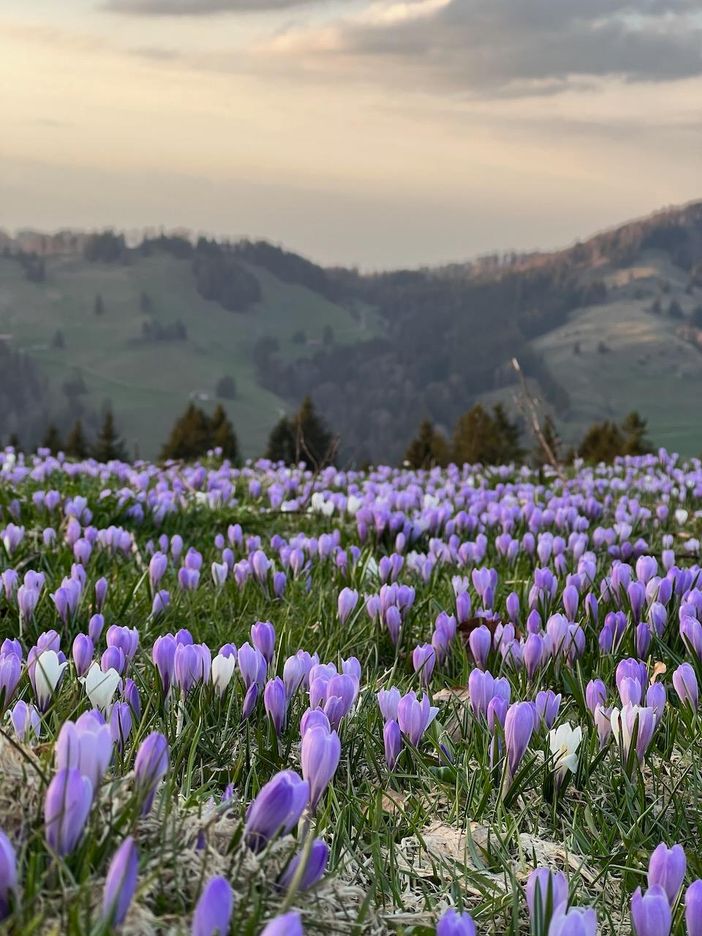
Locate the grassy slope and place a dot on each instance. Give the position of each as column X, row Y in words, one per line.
column 149, row 383
column 647, row 367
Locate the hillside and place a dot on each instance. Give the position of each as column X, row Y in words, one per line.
column 602, row 327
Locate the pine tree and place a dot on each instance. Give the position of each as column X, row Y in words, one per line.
column 507, row 444
column 428, row 449
column 281, row 442
column 190, row 436
column 108, row 445
column 634, row 429
column 602, row 443
column 313, row 441
column 473, row 437
column 76, row 444
column 222, row 434
column 52, row 439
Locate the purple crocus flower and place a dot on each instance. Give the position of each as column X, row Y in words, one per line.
column 120, row 883
column 650, row 912
column 24, row 716
column 101, row 587
column 667, row 867
column 414, row 717
column 163, row 654
column 577, row 921
column 314, row 717
column 289, row 924
column 276, row 809
column 480, row 643
column 150, row 767
column 685, row 684
column 252, row 665
column 213, row 911
column 314, row 868
column 392, row 741
column 95, row 626
column 453, row 923
column 8, row 874
column 519, row 726
column 546, row 706
column 85, row 745
column 423, row 661
column 388, row 700
column 67, row 804
column 655, row 699
column 83, row 650
column 544, row 889
column 320, row 755
column 595, row 694
column 693, row 909
column 10, row 673
column 263, row 639
column 276, row 703
column 347, row 601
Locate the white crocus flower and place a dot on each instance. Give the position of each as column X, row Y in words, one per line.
column 222, row 671
column 564, row 742
column 47, row 675
column 100, row 687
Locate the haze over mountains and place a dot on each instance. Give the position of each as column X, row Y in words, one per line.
column 603, row 327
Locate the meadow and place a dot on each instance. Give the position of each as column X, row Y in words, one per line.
column 258, row 699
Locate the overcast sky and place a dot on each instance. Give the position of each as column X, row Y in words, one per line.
column 369, row 132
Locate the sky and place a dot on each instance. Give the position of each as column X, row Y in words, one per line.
column 376, row 133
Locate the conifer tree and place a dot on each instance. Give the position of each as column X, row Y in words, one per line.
column 602, row 443
column 634, row 429
column 222, row 434
column 190, row 436
column 52, row 439
column 428, row 449
column 313, row 441
column 281, row 442
column 108, row 445
column 76, row 444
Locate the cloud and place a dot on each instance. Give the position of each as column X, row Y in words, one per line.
column 198, row 7
column 505, row 47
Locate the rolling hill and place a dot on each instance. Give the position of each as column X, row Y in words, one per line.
column 605, row 326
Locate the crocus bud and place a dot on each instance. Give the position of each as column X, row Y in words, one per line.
column 546, row 706
column 667, row 868
column 25, row 718
column 275, row 703
column 545, row 890
column 120, row 883
column 45, row 673
column 577, row 921
column 480, row 643
column 685, row 684
column 101, row 587
column 10, row 673
column 693, row 909
column 276, row 809
column 263, row 639
column 392, row 739
column 519, row 726
column 320, row 755
column 213, row 911
column 95, row 626
column 314, row 869
column 453, row 923
column 85, row 745
column 595, row 694
column 150, row 767
column 424, row 660
column 650, row 912
column 68, row 799
column 388, row 700
column 289, row 924
column 8, row 874
column 347, row 601
column 222, row 671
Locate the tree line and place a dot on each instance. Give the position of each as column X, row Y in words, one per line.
column 481, row 435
